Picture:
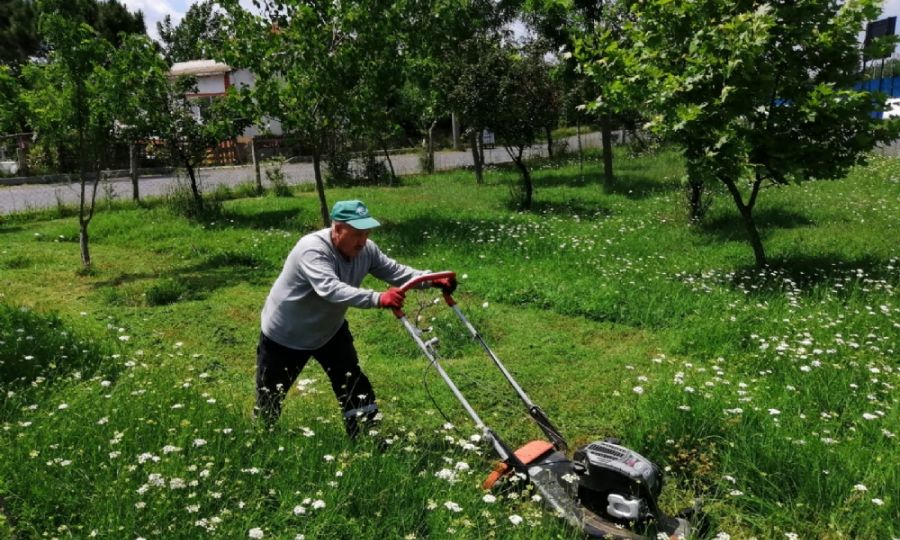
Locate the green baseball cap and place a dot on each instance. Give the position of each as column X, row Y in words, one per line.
column 355, row 214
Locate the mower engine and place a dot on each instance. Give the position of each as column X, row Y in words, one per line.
column 617, row 482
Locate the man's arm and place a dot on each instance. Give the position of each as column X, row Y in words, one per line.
column 320, row 273
column 389, row 270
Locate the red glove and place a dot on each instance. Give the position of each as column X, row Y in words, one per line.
column 447, row 284
column 392, row 298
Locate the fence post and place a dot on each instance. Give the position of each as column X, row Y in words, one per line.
column 21, row 157
column 259, row 186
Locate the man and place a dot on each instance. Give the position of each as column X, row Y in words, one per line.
column 304, row 313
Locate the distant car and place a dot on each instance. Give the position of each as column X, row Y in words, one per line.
column 893, row 108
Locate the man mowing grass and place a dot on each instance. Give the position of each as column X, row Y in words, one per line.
column 304, row 313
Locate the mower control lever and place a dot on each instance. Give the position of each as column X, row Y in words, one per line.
column 427, row 278
column 431, row 343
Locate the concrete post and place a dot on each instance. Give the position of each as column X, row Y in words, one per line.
column 22, row 159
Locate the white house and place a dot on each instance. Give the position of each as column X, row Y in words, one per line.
column 214, row 79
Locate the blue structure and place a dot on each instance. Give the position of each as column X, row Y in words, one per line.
column 887, row 85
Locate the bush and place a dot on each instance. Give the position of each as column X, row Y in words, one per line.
column 560, row 148
column 275, row 176
column 374, row 172
column 426, row 162
column 165, row 291
column 245, row 190
column 180, row 201
column 338, row 163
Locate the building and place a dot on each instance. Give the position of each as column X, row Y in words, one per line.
column 214, row 79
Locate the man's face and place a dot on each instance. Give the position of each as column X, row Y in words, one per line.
column 348, row 241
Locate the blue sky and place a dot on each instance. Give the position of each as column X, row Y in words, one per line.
column 155, row 10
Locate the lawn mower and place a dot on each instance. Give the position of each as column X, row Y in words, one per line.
column 606, row 490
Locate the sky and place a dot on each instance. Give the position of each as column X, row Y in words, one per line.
column 155, row 10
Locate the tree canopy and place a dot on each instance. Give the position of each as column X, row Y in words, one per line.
column 20, row 38
column 199, row 35
column 753, row 93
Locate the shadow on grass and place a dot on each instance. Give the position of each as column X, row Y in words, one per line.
column 194, row 282
column 630, row 179
column 810, row 270
column 407, row 237
column 570, row 208
column 731, row 226
column 10, row 229
column 291, row 219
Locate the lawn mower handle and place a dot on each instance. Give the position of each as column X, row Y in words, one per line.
column 426, row 278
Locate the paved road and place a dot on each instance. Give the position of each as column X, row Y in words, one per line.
column 28, row 197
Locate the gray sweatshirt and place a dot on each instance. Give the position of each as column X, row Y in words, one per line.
column 308, row 301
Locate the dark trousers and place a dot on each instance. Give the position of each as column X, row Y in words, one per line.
column 277, row 367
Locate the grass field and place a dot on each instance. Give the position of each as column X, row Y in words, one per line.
column 769, row 394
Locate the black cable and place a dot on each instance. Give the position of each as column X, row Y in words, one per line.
column 431, row 397
column 507, row 401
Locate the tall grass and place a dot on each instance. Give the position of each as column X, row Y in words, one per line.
column 770, row 394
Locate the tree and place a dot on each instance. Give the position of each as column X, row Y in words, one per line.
column 478, row 74
column 309, row 59
column 20, row 38
column 113, row 20
column 527, row 101
column 571, row 24
column 140, row 94
column 191, row 128
column 18, row 31
column 754, row 93
column 12, row 109
column 198, row 36
column 444, row 43
column 68, row 99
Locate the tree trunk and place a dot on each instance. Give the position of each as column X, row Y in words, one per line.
column 86, row 214
column 527, row 188
column 695, row 200
column 83, row 243
column 755, row 241
column 481, row 146
column 606, row 133
column 580, row 150
column 133, row 169
column 195, row 189
column 320, row 186
column 476, row 158
column 746, row 211
column 431, row 147
column 255, row 158
column 549, row 141
column 387, row 157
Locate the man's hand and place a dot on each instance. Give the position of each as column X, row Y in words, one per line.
column 447, row 284
column 392, row 298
